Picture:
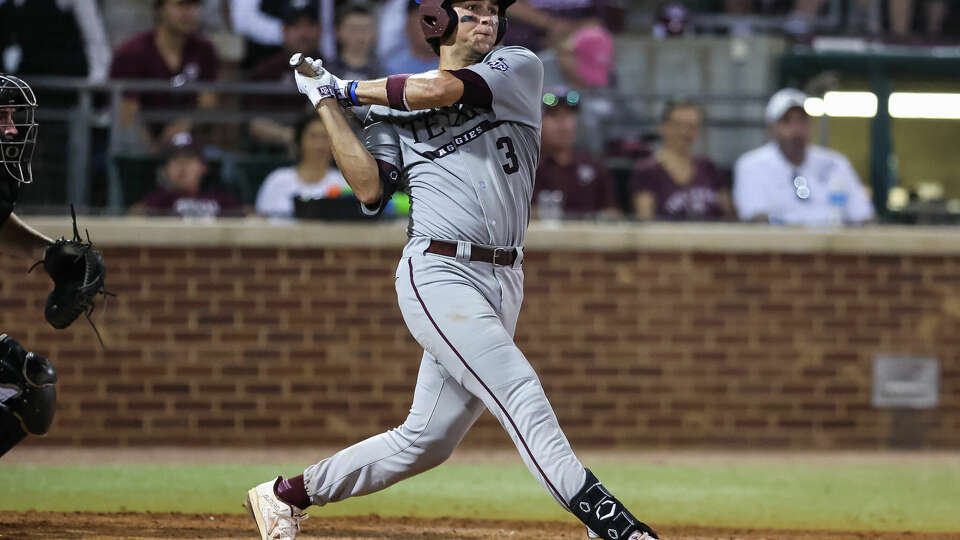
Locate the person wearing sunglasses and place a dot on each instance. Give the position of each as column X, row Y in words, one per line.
column 790, row 181
column 569, row 184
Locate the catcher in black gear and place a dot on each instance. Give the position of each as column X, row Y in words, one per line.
column 27, row 381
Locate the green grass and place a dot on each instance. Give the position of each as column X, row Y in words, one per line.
column 918, row 497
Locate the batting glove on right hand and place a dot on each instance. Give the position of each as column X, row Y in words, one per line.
column 322, row 86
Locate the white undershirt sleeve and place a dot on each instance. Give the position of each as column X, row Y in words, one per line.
column 95, row 44
column 248, row 20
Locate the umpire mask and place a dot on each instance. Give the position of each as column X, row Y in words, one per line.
column 18, row 127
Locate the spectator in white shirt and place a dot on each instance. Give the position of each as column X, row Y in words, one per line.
column 311, row 177
column 790, row 181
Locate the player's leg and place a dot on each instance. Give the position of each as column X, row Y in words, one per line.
column 11, row 432
column 28, row 395
column 450, row 312
column 11, row 387
column 450, row 309
column 593, row 504
column 440, row 416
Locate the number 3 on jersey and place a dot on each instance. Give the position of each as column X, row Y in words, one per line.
column 511, row 154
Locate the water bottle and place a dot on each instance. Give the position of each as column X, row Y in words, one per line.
column 837, row 200
column 550, row 205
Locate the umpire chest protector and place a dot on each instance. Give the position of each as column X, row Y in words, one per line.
column 9, row 190
column 438, row 20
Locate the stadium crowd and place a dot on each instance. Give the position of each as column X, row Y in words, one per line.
column 184, row 41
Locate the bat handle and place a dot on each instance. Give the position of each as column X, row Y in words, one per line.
column 297, row 63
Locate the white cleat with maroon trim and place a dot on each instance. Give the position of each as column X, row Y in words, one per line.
column 276, row 520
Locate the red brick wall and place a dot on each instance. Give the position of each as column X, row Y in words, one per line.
column 241, row 345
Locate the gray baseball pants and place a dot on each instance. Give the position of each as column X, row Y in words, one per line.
column 464, row 315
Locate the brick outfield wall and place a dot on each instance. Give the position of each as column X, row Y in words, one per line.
column 250, row 346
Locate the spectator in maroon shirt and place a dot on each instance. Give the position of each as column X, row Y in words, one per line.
column 183, row 192
column 174, row 52
column 569, row 184
column 301, row 33
column 673, row 184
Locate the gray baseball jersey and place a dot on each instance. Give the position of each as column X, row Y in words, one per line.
column 469, row 172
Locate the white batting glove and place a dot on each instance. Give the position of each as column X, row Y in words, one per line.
column 311, row 86
column 324, row 85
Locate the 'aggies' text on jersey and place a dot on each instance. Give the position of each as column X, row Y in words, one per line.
column 469, row 170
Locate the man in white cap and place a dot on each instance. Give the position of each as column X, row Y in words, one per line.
column 790, row 181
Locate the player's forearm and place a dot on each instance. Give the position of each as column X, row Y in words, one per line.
column 355, row 162
column 18, row 238
column 428, row 90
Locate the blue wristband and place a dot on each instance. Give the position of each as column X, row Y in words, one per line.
column 353, row 92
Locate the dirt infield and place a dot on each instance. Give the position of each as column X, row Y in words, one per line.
column 29, row 525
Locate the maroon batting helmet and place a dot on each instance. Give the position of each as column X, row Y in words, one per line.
column 438, row 20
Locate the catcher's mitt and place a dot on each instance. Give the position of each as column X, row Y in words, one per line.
column 78, row 274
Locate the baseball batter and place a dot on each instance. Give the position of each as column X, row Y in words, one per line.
column 464, row 141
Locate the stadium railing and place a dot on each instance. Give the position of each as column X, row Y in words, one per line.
column 75, row 138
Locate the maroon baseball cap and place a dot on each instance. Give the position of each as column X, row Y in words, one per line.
column 183, row 145
column 300, row 9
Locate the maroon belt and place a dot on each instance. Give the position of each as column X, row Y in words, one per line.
column 498, row 256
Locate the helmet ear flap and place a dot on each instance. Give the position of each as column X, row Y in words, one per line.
column 503, row 21
column 501, row 27
column 437, row 21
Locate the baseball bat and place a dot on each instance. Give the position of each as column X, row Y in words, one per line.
column 297, row 63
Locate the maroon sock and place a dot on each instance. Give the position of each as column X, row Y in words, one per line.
column 292, row 491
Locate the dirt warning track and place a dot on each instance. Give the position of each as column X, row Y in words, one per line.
column 163, row 526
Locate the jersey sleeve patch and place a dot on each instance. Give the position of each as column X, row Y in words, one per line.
column 514, row 76
column 499, row 64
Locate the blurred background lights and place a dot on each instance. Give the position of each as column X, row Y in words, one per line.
column 933, row 106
